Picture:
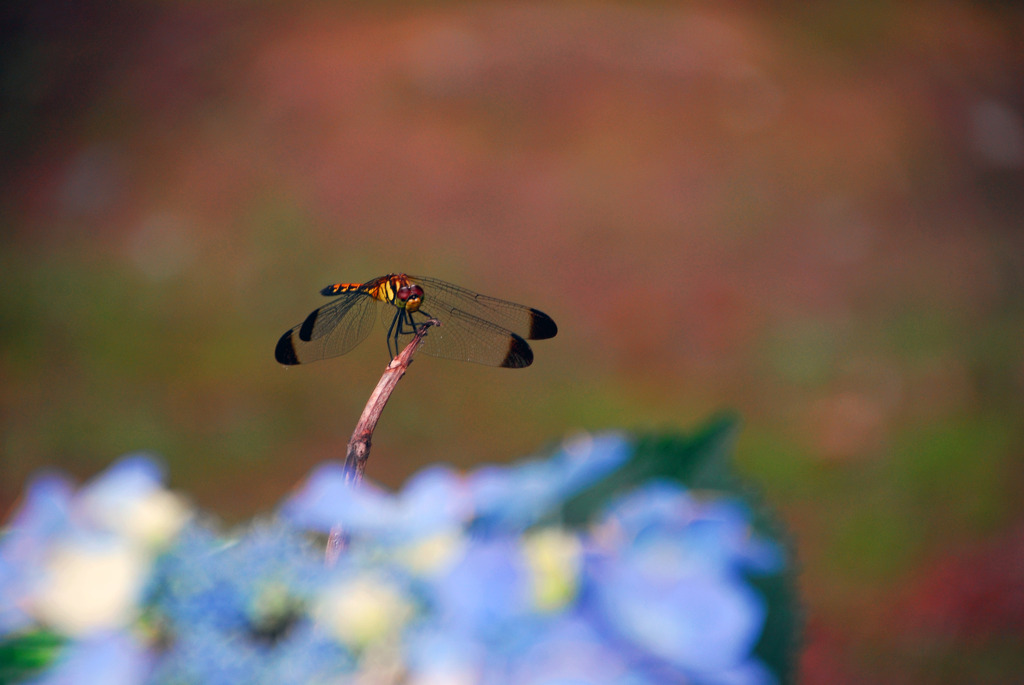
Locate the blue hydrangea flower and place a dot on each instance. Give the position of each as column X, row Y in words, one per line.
column 452, row 579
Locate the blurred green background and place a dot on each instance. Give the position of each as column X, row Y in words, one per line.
column 811, row 213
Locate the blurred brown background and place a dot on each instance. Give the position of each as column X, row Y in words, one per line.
column 810, row 213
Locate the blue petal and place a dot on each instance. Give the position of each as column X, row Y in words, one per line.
column 134, row 473
column 108, row 659
column 486, row 588
column 716, row 534
column 569, row 650
column 431, row 501
column 694, row 620
column 113, row 493
column 42, row 516
column 515, row 497
column 44, row 510
column 320, row 500
column 658, row 503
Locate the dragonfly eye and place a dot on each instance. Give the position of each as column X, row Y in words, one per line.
column 410, row 292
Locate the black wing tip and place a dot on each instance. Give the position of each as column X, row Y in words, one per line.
column 284, row 353
column 542, row 326
column 330, row 290
column 519, row 354
column 306, row 329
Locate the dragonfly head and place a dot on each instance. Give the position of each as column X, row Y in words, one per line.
column 411, row 297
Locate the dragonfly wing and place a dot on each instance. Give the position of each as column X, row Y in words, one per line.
column 464, row 337
column 330, row 331
column 444, row 300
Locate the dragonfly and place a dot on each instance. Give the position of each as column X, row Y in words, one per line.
column 471, row 327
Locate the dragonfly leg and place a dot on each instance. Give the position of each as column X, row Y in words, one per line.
column 409, row 329
column 417, row 326
column 405, row 324
column 401, row 319
column 393, row 333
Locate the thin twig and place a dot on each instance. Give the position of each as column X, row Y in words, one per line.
column 359, row 444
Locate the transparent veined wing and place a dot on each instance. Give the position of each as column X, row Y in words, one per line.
column 444, row 300
column 330, row 331
column 464, row 337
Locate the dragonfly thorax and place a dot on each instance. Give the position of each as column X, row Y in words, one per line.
column 410, row 297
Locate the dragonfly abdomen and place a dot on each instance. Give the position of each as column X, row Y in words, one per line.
column 339, row 288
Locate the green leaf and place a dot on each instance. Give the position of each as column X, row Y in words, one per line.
column 25, row 655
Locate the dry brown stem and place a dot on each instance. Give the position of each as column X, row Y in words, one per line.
column 359, row 444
